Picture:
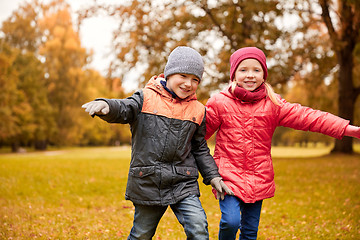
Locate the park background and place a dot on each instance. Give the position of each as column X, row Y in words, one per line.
column 58, row 180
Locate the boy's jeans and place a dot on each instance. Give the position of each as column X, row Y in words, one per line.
column 232, row 220
column 188, row 211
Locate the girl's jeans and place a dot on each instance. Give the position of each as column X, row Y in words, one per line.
column 235, row 215
column 188, row 211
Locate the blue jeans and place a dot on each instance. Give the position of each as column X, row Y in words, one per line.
column 235, row 215
column 188, row 211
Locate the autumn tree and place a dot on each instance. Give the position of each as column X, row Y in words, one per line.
column 31, row 112
column 14, row 107
column 45, row 78
column 343, row 28
column 40, row 125
column 63, row 59
column 149, row 30
column 330, row 37
column 324, row 44
column 292, row 34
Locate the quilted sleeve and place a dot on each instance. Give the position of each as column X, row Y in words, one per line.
column 295, row 116
column 212, row 117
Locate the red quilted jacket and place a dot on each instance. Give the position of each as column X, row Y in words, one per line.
column 243, row 139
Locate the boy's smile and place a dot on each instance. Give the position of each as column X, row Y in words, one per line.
column 183, row 85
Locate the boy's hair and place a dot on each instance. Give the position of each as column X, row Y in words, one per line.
column 184, row 60
column 255, row 53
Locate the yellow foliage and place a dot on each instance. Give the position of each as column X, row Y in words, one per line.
column 47, row 22
column 56, row 22
column 53, row 44
column 64, row 17
column 117, row 85
column 59, row 31
column 51, row 87
column 5, row 62
column 71, row 44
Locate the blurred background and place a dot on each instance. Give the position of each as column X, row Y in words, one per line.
column 57, row 55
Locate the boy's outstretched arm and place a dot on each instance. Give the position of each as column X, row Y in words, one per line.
column 352, row 131
column 96, row 108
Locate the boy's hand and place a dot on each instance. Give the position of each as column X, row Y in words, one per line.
column 96, row 107
column 220, row 187
column 352, row 131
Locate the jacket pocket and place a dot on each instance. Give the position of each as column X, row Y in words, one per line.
column 187, row 171
column 142, row 172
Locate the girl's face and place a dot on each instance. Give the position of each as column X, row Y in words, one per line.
column 183, row 85
column 249, row 74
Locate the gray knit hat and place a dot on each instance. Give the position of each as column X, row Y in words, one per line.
column 184, row 60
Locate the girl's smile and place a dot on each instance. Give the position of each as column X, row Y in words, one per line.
column 249, row 74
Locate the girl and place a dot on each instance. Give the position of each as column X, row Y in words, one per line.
column 245, row 116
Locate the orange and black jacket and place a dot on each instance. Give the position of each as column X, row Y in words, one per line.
column 168, row 145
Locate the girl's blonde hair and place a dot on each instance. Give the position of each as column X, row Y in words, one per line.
column 271, row 94
column 269, row 90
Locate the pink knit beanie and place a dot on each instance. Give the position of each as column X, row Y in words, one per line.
column 245, row 53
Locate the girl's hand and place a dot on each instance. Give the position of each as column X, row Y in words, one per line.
column 352, row 131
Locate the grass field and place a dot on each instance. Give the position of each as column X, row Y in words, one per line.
column 79, row 194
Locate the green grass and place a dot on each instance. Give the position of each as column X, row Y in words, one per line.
column 79, row 194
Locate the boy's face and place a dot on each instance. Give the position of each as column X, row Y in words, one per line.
column 249, row 74
column 183, row 85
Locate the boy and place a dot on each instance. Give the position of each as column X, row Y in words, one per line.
column 168, row 146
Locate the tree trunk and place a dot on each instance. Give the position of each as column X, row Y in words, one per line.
column 347, row 97
column 40, row 145
column 15, row 146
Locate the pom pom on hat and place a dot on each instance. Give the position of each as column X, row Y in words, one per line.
column 245, row 53
column 184, row 60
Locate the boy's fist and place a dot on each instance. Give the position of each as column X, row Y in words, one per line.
column 220, row 187
column 96, row 108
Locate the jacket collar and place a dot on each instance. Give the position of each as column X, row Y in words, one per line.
column 226, row 92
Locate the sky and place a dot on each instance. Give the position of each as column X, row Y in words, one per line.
column 95, row 33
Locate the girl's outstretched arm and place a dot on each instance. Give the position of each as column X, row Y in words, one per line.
column 352, row 131
column 303, row 118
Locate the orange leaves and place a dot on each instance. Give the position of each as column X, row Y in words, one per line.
column 53, row 19
column 53, row 44
column 71, row 44
column 59, row 31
